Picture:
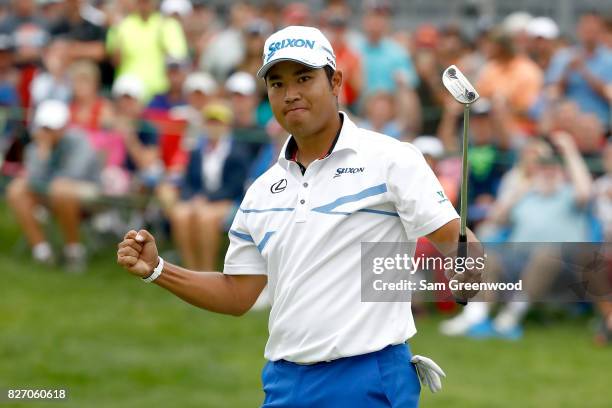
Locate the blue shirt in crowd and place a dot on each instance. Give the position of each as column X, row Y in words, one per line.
column 382, row 62
column 578, row 90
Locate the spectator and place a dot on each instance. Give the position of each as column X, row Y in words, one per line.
column 178, row 9
column 384, row 61
column 142, row 41
column 88, row 109
column 490, row 151
column 54, row 81
column 140, row 136
column 430, row 91
column 199, row 89
column 214, row 180
column 516, row 26
column 512, row 77
column 225, row 51
column 603, row 195
column 30, row 34
column 582, row 73
column 176, row 72
column 347, row 60
column 82, row 26
column 255, row 34
column 296, row 13
column 542, row 208
column 247, row 127
column 433, row 150
column 200, row 27
column 9, row 98
column 543, row 40
column 603, row 212
column 61, row 172
column 51, row 10
column 380, row 114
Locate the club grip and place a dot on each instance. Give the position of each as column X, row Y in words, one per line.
column 462, row 253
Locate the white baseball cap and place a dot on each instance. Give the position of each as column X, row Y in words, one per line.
column 128, row 85
column 242, row 83
column 51, row 114
column 543, row 27
column 429, row 145
column 180, row 7
column 305, row 45
column 200, row 81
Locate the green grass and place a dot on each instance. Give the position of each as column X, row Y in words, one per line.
column 113, row 341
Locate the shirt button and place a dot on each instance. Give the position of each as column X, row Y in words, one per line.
column 305, row 184
column 302, row 201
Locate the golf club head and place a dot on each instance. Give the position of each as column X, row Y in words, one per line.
column 458, row 85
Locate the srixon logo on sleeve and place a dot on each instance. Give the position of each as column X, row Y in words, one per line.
column 289, row 42
column 348, row 170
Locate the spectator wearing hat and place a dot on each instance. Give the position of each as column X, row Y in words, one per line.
column 543, row 40
column 61, row 171
column 142, row 41
column 139, row 135
column 249, row 121
column 178, row 9
column 214, row 179
column 583, row 73
column 199, row 89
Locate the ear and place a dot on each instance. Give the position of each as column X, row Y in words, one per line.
column 336, row 82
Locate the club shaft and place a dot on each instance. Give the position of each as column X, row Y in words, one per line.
column 464, row 170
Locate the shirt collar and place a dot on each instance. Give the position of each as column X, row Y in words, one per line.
column 345, row 140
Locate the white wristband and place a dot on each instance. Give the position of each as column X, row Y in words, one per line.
column 156, row 272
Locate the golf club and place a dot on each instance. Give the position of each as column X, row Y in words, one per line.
column 463, row 92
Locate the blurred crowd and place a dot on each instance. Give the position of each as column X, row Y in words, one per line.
column 121, row 98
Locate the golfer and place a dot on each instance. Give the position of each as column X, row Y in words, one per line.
column 299, row 230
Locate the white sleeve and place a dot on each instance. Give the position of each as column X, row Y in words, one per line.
column 243, row 257
column 419, row 197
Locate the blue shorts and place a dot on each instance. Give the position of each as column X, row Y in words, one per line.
column 384, row 378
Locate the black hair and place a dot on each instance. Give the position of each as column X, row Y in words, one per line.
column 329, row 72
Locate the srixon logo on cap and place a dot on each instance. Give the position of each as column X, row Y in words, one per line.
column 289, row 42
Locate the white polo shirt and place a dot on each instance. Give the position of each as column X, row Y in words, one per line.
column 305, row 232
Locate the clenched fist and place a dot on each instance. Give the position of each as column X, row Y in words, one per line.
column 138, row 253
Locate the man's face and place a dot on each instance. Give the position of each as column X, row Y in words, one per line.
column 48, row 135
column 301, row 98
column 176, row 77
column 589, row 29
column 375, row 25
column 129, row 106
column 145, row 6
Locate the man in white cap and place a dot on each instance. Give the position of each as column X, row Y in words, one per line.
column 300, row 230
column 249, row 124
column 141, row 137
column 62, row 170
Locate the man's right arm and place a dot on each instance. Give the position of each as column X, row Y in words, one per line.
column 214, row 291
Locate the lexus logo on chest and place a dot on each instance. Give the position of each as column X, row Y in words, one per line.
column 279, row 186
